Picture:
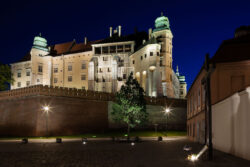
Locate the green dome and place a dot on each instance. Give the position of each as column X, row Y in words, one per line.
column 161, row 23
column 40, row 43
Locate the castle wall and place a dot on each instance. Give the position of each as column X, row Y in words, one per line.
column 72, row 111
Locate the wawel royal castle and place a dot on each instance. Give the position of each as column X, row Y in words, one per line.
column 104, row 65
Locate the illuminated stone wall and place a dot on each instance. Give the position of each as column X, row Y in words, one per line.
column 24, row 116
column 73, row 111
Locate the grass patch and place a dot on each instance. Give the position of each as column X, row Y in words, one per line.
column 109, row 134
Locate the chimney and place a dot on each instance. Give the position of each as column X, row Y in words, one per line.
column 119, row 30
column 149, row 33
column 85, row 40
column 110, row 31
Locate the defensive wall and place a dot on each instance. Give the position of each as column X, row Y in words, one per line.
column 72, row 111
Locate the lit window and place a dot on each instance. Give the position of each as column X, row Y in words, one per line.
column 19, row 84
column 70, row 68
column 127, row 48
column 55, row 80
column 120, row 48
column 56, row 70
column 27, row 83
column 83, row 77
column 40, row 68
column 70, row 78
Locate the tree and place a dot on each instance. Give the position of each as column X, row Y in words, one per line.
column 130, row 105
column 5, row 77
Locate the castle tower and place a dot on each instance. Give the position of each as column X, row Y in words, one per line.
column 164, row 37
column 183, row 84
column 41, row 62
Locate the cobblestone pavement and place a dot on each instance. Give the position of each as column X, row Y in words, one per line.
column 108, row 154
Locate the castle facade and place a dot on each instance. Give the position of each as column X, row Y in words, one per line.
column 104, row 65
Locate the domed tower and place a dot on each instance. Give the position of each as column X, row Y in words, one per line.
column 40, row 43
column 41, row 62
column 164, row 37
column 183, row 84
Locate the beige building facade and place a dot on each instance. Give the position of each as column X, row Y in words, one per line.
column 104, row 65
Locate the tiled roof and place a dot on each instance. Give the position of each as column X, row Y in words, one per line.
column 233, row 50
column 62, row 48
column 138, row 37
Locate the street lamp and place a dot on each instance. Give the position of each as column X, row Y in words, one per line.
column 167, row 111
column 46, row 110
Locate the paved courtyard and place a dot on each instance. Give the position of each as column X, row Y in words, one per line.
column 108, row 154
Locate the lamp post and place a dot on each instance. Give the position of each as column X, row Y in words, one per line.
column 167, row 111
column 46, row 110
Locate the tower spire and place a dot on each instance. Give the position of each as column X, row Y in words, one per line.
column 177, row 71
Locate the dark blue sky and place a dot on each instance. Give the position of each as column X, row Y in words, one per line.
column 198, row 27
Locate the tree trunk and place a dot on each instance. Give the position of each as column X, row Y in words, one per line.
column 128, row 132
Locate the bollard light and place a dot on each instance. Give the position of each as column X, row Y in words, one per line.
column 58, row 140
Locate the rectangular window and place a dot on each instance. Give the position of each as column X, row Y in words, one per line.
column 145, row 55
column 83, row 87
column 18, row 84
column 40, row 68
column 100, row 70
column 55, row 80
column 83, row 65
column 112, row 49
column 28, row 72
column 161, row 64
column 105, row 58
column 141, row 57
column 158, row 53
column 55, row 70
column 105, row 50
column 83, row 77
column 97, row 50
column 124, row 76
column 151, row 54
column 120, row 48
column 69, row 78
column 199, row 98
column 109, row 70
column 18, row 74
column 70, row 68
column 38, row 80
column 27, row 83
column 127, row 48
column 133, row 62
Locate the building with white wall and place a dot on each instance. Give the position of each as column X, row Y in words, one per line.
column 104, row 65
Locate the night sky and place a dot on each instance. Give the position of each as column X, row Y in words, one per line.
column 199, row 27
